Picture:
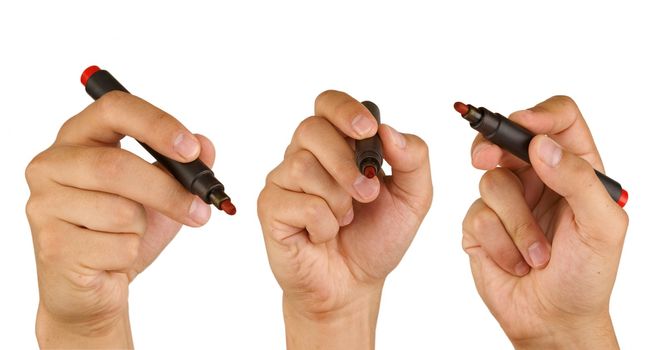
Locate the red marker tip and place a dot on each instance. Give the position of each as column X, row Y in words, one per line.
column 624, row 197
column 88, row 73
column 369, row 171
column 228, row 207
column 461, row 108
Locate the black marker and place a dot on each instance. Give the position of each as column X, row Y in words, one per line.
column 195, row 176
column 512, row 137
column 369, row 153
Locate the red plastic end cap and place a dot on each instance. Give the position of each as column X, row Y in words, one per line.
column 624, row 197
column 228, row 207
column 461, row 108
column 88, row 73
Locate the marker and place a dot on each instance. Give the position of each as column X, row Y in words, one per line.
column 195, row 176
column 512, row 137
column 369, row 153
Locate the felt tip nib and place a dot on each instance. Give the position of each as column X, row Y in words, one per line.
column 369, row 171
column 88, row 73
column 461, row 108
column 228, row 207
column 624, row 197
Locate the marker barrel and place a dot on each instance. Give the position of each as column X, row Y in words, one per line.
column 514, row 138
column 195, row 176
column 369, row 152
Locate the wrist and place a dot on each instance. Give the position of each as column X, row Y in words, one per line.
column 595, row 333
column 349, row 327
column 53, row 332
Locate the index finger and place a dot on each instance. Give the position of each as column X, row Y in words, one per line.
column 346, row 114
column 558, row 117
column 117, row 114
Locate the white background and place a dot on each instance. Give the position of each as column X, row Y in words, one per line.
column 245, row 73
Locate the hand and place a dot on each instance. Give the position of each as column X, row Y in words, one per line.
column 100, row 215
column 332, row 235
column 544, row 240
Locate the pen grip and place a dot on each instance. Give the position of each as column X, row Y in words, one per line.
column 516, row 139
column 195, row 176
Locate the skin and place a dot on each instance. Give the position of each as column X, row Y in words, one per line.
column 332, row 235
column 544, row 241
column 100, row 215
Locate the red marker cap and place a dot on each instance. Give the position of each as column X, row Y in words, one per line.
column 624, row 197
column 88, row 73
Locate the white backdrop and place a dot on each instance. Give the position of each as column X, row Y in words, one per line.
column 245, row 73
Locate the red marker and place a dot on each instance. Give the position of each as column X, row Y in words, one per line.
column 512, row 137
column 195, row 176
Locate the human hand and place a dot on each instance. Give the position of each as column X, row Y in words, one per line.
column 333, row 235
column 100, row 215
column 545, row 240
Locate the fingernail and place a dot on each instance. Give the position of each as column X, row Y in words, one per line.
column 398, row 138
column 186, row 146
column 538, row 254
column 199, row 211
column 363, row 125
column 521, row 268
column 347, row 219
column 366, row 188
column 550, row 152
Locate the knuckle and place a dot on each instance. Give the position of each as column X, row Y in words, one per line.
column 66, row 128
column 567, row 104
column 33, row 208
column 129, row 217
column 481, row 221
column 36, row 168
column 300, row 163
column 564, row 100
column 107, row 104
column 522, row 231
column 489, row 181
column 315, row 209
column 132, row 247
column 272, row 175
column 261, row 203
column 49, row 246
column 322, row 97
column 498, row 180
column 109, row 164
column 307, row 127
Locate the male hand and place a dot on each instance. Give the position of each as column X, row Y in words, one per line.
column 100, row 215
column 333, row 235
column 545, row 240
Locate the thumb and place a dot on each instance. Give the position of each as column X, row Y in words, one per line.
column 574, row 178
column 410, row 167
